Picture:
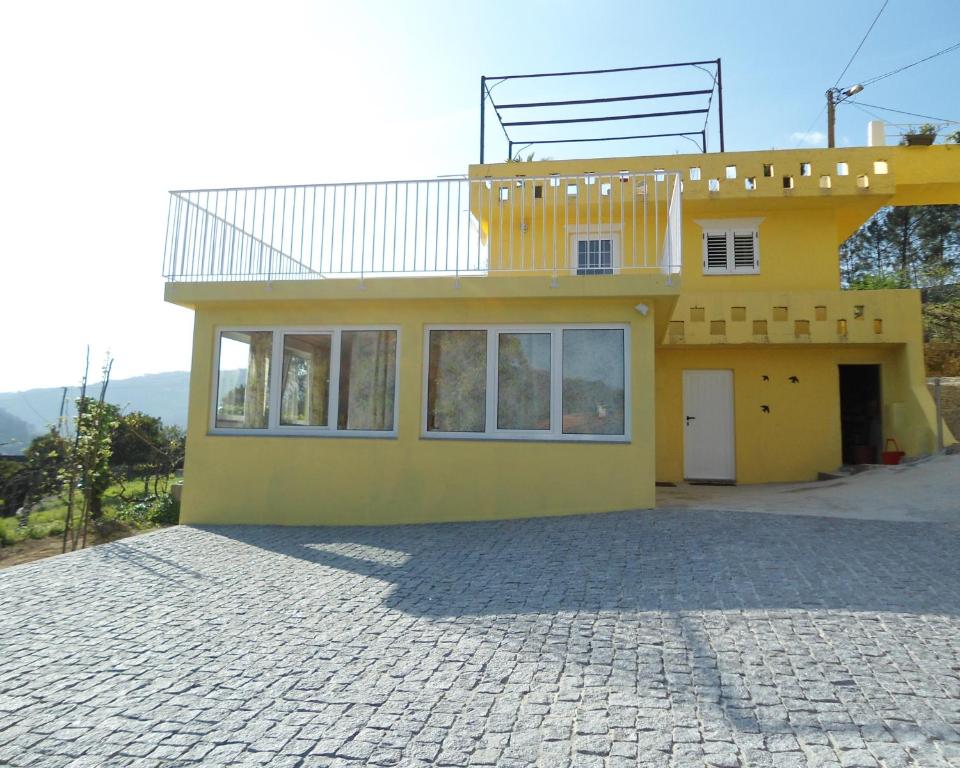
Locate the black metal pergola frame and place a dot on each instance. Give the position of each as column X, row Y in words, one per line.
column 715, row 88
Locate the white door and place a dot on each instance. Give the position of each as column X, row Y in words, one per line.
column 708, row 452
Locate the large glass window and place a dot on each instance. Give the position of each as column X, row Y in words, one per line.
column 323, row 381
column 243, row 379
column 305, row 386
column 457, row 381
column 368, row 364
column 523, row 381
column 593, row 382
column 536, row 382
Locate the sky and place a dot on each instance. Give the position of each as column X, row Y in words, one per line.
column 108, row 105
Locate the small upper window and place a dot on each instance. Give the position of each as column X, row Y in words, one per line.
column 594, row 252
column 731, row 246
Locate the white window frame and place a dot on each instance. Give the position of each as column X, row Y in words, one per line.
column 729, row 228
column 274, row 428
column 555, row 433
column 611, row 232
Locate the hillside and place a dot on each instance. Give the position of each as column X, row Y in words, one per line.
column 158, row 394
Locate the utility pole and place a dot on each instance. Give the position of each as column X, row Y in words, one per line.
column 836, row 96
column 831, row 118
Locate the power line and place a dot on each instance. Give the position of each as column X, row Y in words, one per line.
column 902, row 112
column 865, row 36
column 852, row 57
column 878, row 78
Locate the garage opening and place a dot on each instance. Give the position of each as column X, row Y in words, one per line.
column 861, row 427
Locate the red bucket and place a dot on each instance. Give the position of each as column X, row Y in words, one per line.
column 892, row 457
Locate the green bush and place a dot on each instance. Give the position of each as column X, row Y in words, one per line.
column 149, row 511
column 10, row 531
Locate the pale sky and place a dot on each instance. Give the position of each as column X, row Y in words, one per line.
column 108, row 105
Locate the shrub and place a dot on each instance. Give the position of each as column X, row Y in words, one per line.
column 10, row 531
column 149, row 510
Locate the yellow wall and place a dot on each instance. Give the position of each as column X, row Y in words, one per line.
column 801, row 435
column 317, row 480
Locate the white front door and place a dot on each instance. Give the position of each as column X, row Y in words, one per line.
column 708, row 452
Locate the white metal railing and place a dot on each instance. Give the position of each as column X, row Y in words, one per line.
column 457, row 226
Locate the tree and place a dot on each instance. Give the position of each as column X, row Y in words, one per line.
column 911, row 247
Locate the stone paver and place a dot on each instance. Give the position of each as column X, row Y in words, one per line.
column 672, row 638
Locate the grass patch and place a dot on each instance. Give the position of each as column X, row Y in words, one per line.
column 48, row 516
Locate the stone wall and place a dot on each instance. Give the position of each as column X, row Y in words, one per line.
column 949, row 400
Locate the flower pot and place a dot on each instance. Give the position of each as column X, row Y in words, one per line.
column 919, row 139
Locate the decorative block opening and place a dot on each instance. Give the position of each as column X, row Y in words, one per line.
column 697, row 314
column 659, row 174
column 780, row 314
column 820, row 313
column 555, row 180
column 713, row 185
column 878, row 325
column 605, row 189
column 731, row 172
column 801, row 328
column 538, row 192
column 624, row 176
column 738, row 313
column 675, row 330
column 826, row 182
column 589, row 179
column 841, row 327
column 788, row 182
column 750, row 183
column 768, row 170
column 858, row 311
column 504, row 194
column 843, row 169
column 863, row 181
column 718, row 327
column 695, row 173
column 880, row 167
column 759, row 327
column 806, row 169
column 571, row 190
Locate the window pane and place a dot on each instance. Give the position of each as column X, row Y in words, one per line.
column 243, row 379
column 593, row 382
column 368, row 369
column 523, row 366
column 305, row 385
column 594, row 257
column 457, row 381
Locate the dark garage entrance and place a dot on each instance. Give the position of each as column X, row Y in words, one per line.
column 861, row 427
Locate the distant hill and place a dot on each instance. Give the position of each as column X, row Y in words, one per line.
column 157, row 394
column 15, row 434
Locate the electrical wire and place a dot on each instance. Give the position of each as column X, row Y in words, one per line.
column 893, row 72
column 902, row 112
column 852, row 57
column 865, row 36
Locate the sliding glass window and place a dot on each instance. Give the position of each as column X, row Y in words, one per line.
column 329, row 381
column 528, row 382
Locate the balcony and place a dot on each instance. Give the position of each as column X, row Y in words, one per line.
column 553, row 225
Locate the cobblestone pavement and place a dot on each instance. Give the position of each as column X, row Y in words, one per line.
column 674, row 638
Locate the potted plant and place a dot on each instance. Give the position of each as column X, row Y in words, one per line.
column 920, row 137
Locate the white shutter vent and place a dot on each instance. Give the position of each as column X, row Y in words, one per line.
column 716, row 252
column 744, row 251
column 730, row 246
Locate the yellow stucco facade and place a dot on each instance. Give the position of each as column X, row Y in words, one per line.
column 784, row 330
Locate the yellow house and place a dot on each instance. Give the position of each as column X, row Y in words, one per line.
column 543, row 338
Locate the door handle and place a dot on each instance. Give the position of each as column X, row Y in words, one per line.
column 689, row 419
